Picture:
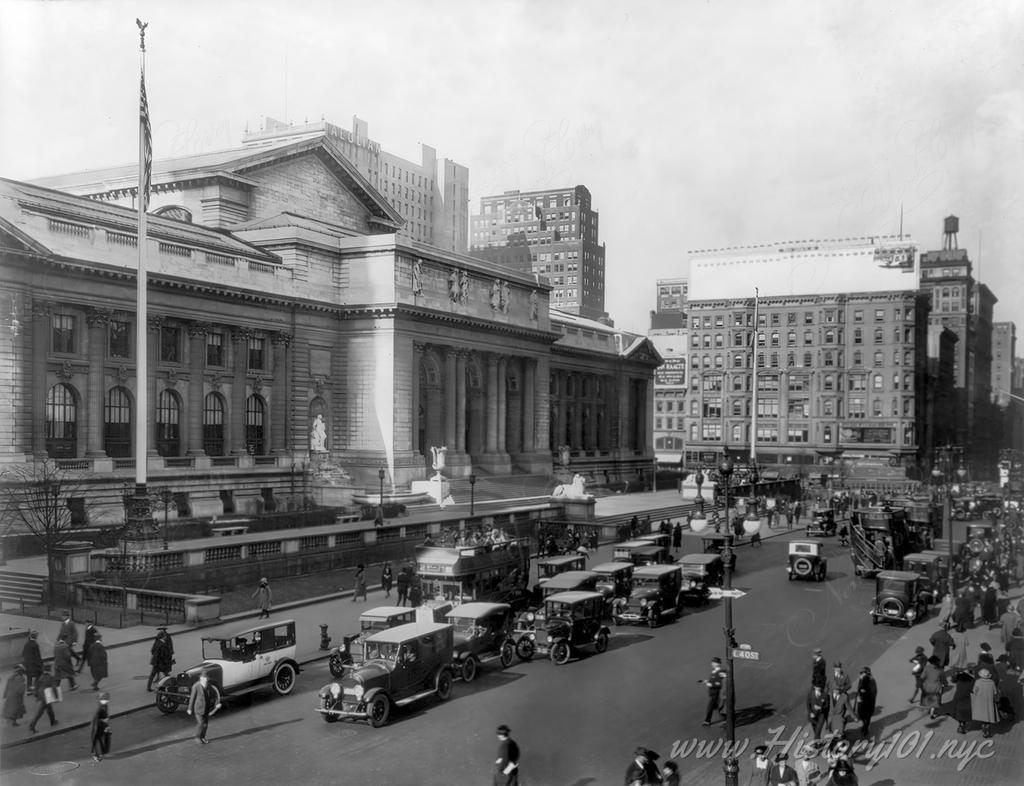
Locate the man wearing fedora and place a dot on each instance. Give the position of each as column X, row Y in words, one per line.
column 32, row 660
column 715, row 683
column 642, row 771
column 781, row 774
column 819, row 670
column 506, row 764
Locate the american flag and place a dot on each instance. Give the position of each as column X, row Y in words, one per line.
column 146, row 130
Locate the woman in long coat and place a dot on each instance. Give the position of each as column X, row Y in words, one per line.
column 97, row 661
column 14, row 696
column 932, row 683
column 959, row 707
column 983, row 702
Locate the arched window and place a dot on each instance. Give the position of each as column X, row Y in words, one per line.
column 255, row 412
column 737, row 433
column 61, row 422
column 213, row 424
column 117, row 424
column 168, row 419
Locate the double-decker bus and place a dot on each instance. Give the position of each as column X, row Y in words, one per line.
column 497, row 573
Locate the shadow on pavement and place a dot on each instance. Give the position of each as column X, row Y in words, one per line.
column 191, row 740
column 759, row 712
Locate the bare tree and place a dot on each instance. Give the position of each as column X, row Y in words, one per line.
column 36, row 497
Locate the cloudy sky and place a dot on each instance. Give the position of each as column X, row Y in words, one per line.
column 695, row 125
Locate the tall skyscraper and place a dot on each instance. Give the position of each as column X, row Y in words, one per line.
column 553, row 233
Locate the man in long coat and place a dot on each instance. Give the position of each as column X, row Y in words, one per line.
column 867, row 695
column 506, row 764
column 69, row 632
column 32, row 660
column 63, row 663
column 97, row 661
column 942, row 643
column 87, row 639
column 161, row 656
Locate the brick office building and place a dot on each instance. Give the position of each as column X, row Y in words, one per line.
column 830, row 370
column 278, row 292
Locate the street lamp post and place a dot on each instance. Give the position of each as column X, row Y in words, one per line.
column 166, row 497
column 472, row 493
column 381, row 474
column 699, row 499
column 750, row 526
column 941, row 475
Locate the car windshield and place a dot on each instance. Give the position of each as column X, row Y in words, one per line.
column 227, row 649
column 559, row 609
column 467, row 626
column 645, row 581
column 796, row 548
column 382, row 650
column 697, row 571
column 380, row 624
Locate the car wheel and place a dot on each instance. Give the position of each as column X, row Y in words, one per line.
column 874, row 620
column 444, row 685
column 602, row 642
column 339, row 665
column 525, row 648
column 327, row 704
column 379, row 711
column 506, row 654
column 560, row 653
column 165, row 704
column 469, row 669
column 284, row 679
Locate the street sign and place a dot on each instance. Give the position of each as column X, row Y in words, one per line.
column 718, row 592
column 741, row 654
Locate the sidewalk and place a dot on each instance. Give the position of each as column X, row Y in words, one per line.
column 129, row 648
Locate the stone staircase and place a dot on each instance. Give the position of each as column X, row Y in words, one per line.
column 18, row 588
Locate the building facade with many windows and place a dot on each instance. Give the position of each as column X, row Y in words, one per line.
column 553, row 233
column 805, row 353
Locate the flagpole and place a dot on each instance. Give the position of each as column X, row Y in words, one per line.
column 140, row 507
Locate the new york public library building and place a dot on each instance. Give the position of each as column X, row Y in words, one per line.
column 278, row 295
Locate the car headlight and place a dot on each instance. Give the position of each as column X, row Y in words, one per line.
column 643, row 602
column 335, row 690
column 358, row 691
column 911, row 614
column 530, row 616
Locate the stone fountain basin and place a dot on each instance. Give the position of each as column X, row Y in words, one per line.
column 396, row 496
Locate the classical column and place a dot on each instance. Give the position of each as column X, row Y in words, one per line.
column 450, row 399
column 502, row 405
column 97, row 320
column 529, row 394
column 196, row 364
column 492, row 405
column 577, row 418
column 562, row 387
column 279, row 403
column 460, row 402
column 240, row 363
column 414, row 394
column 41, row 311
column 153, row 350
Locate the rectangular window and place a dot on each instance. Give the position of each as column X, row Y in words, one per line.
column 808, row 338
column 797, row 383
column 858, row 316
column 712, row 409
column 799, row 408
column 712, row 431
column 797, row 435
column 808, row 317
column 256, row 352
column 119, row 335
column 214, row 349
column 64, row 333
column 879, row 315
column 170, row 344
column 768, row 382
column 768, row 408
column 767, row 434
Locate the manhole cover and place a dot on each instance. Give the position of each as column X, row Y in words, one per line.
column 55, row 769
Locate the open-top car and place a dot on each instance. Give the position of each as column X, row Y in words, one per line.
column 483, row 633
column 806, row 560
column 898, row 598
column 249, row 660
column 701, row 572
column 929, row 568
column 655, row 596
column 615, row 579
column 570, row 622
column 401, row 665
column 822, row 523
column 381, row 618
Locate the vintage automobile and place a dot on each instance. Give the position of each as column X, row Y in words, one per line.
column 982, row 542
column 552, row 566
column 822, row 523
column 615, row 579
column 381, row 618
column 401, row 665
column 623, row 552
column 249, row 660
column 806, row 560
column 498, row 573
column 701, row 572
column 714, row 543
column 569, row 581
column 652, row 554
column 662, row 539
column 655, row 596
column 483, row 633
column 929, row 568
column 570, row 622
column 898, row 598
